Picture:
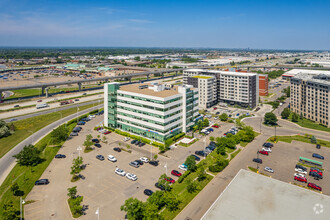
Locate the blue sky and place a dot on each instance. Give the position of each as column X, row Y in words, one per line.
column 260, row 24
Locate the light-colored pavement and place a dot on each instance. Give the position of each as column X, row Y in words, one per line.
column 102, row 188
column 7, row 162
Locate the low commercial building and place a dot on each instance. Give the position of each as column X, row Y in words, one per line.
column 154, row 111
column 207, row 87
column 310, row 96
column 232, row 87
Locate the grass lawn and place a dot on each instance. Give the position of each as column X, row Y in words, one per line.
column 305, row 139
column 25, row 127
column 253, row 169
column 310, row 124
column 26, row 176
column 183, row 195
column 233, row 155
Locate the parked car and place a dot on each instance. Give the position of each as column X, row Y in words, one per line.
column 315, row 174
column 117, row 149
column 133, row 141
column 140, row 162
column 120, row 172
column 318, row 146
column 318, row 156
column 81, row 123
column 215, row 126
column 144, row 159
column 95, row 140
column 153, row 162
column 42, row 182
column 316, row 169
column 196, row 158
column 267, row 144
column 74, row 134
column 60, row 156
column 314, row 186
column 300, row 179
column 183, row 167
column 107, row 132
column 100, row 157
column 301, row 167
column 169, row 179
column 97, row 145
column 212, row 143
column 81, row 176
column 299, row 175
column 137, row 143
column 112, row 158
column 300, row 171
column 201, row 153
column 267, row 149
column 126, row 139
column 131, row 176
column 160, row 186
column 268, row 169
column 134, row 164
column 148, row 192
column 257, row 160
column 176, row 173
column 16, row 106
column 263, row 152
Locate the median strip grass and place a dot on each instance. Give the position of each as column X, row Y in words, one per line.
column 289, row 139
column 25, row 127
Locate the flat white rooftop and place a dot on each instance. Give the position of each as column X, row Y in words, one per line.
column 294, row 72
column 251, row 196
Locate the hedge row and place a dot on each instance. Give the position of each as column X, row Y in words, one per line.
column 144, row 140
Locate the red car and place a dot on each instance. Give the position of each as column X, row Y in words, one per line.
column 316, row 171
column 107, row 132
column 99, row 128
column 263, row 152
column 169, row 179
column 215, row 108
column 39, row 100
column 300, row 179
column 215, row 126
column 176, row 173
column 314, row 186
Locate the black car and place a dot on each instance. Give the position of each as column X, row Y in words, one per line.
column 148, row 192
column 133, row 141
column 196, row 158
column 301, row 167
column 217, row 113
column 315, row 174
column 97, row 145
column 60, row 156
column 16, row 106
column 267, row 144
column 212, row 143
column 81, row 123
column 318, row 156
column 140, row 144
column 211, row 147
column 85, row 119
column 74, row 134
column 201, row 153
column 140, row 162
column 77, row 129
column 153, row 162
column 100, row 157
column 42, row 182
column 137, row 143
column 257, row 160
column 95, row 140
column 117, row 149
column 81, row 176
column 318, row 146
column 162, row 187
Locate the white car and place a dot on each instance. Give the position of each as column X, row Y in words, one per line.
column 300, row 171
column 267, row 149
column 299, row 175
column 144, row 160
column 182, row 167
column 120, row 172
column 268, row 169
column 101, row 130
column 131, row 176
column 112, row 158
column 91, row 116
column 127, row 139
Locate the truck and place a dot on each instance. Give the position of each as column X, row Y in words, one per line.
column 66, row 102
column 43, row 105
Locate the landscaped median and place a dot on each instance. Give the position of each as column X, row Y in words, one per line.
column 25, row 127
column 306, row 138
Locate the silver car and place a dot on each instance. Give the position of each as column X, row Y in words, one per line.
column 268, row 169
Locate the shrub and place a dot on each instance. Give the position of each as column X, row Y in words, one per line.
column 181, row 178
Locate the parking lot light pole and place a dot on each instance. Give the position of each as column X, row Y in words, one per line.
column 21, row 203
column 98, row 213
column 79, row 149
column 260, row 124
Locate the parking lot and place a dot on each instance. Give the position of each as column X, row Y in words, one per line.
column 285, row 156
column 103, row 188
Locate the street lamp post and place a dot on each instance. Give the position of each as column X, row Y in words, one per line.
column 260, row 124
column 79, row 149
column 21, row 203
column 98, row 213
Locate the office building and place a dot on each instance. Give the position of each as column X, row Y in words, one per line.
column 310, row 96
column 154, row 111
column 235, row 88
column 207, row 87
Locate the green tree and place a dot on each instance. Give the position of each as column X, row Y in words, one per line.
column 137, row 58
column 151, row 212
column 15, row 189
column 248, row 135
column 191, row 163
column 77, row 207
column 158, row 199
column 270, row 118
column 313, row 139
column 201, row 174
column 59, row 134
column 212, row 138
column 286, row 113
column 76, row 165
column 206, row 122
column 162, row 181
column 4, row 129
column 172, row 202
column 10, row 212
column 29, row 156
column 223, row 117
column 200, row 125
column 191, row 186
column 72, row 192
column 134, row 208
column 89, row 137
column 295, row 117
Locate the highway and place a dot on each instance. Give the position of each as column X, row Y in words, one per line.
column 7, row 162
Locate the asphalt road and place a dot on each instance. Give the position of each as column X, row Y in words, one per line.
column 51, row 110
column 7, row 162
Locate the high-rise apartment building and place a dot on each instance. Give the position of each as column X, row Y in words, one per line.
column 231, row 87
column 154, row 111
column 310, row 96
